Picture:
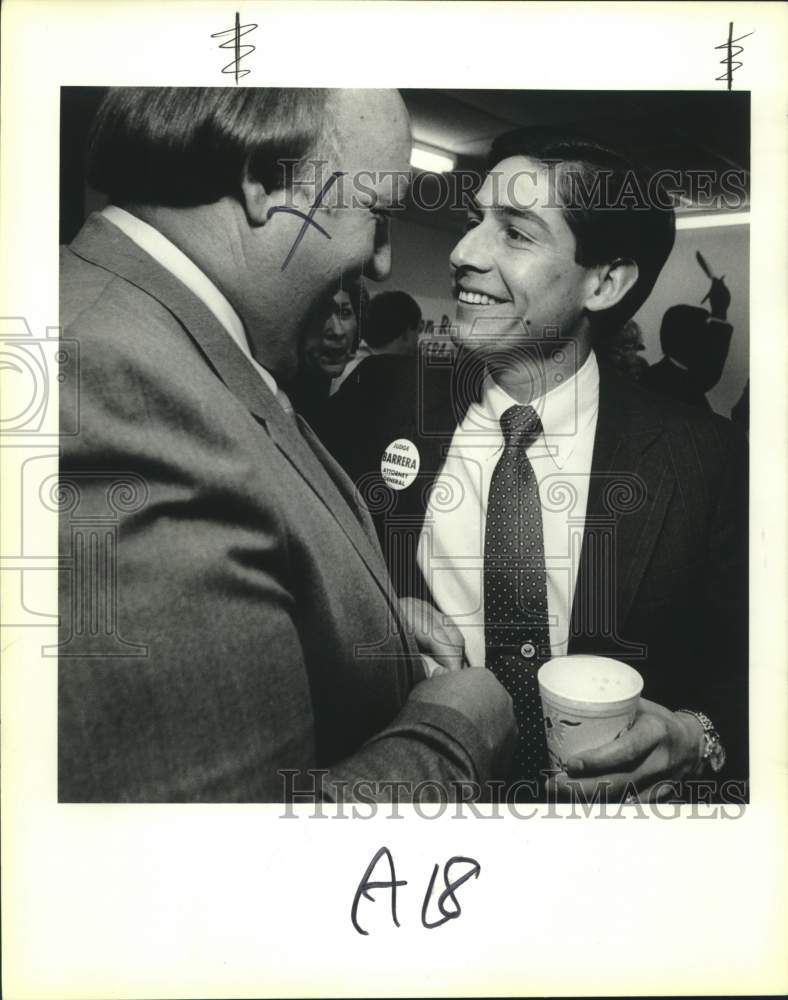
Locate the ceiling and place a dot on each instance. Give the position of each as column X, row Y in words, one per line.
column 677, row 130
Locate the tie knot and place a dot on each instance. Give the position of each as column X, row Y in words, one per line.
column 521, row 426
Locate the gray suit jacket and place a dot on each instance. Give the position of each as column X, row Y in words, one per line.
column 226, row 612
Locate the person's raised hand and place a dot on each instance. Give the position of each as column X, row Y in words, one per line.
column 719, row 298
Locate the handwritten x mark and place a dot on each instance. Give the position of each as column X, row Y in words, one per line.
column 309, row 218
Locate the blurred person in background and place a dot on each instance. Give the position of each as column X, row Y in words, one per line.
column 392, row 325
column 695, row 347
column 328, row 346
column 740, row 414
column 393, row 321
column 390, row 347
column 621, row 350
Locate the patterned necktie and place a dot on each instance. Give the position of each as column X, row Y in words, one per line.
column 516, row 633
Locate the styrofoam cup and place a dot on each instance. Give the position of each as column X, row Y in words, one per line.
column 587, row 701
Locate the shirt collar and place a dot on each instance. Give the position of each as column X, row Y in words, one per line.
column 566, row 411
column 676, row 364
column 164, row 252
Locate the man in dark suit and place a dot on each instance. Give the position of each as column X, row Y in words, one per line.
column 391, row 356
column 695, row 346
column 619, row 517
column 242, row 629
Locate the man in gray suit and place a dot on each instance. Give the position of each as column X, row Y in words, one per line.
column 253, row 629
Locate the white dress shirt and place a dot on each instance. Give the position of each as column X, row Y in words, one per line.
column 451, row 546
column 186, row 271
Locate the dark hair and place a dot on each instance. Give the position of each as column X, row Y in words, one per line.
column 608, row 204
column 183, row 146
column 680, row 327
column 390, row 315
column 621, row 348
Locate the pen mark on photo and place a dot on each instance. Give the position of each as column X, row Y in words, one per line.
column 733, row 51
column 449, row 892
column 309, row 217
column 365, row 886
column 234, row 42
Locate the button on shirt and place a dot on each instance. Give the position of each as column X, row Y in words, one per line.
column 451, row 546
column 174, row 260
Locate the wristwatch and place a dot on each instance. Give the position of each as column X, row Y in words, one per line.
column 714, row 752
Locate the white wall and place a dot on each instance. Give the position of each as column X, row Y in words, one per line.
column 420, row 266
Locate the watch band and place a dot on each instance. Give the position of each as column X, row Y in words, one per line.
column 714, row 752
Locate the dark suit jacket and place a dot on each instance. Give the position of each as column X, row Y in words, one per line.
column 226, row 611
column 662, row 580
column 669, row 380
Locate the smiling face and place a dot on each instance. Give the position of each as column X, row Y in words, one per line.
column 329, row 341
column 514, row 270
column 283, row 286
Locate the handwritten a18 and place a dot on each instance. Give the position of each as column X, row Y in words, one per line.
column 447, row 902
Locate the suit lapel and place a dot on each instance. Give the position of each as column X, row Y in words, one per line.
column 632, row 481
column 108, row 247
column 340, row 479
column 309, row 457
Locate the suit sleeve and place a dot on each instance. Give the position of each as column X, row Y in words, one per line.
column 718, row 686
column 428, row 748
column 194, row 686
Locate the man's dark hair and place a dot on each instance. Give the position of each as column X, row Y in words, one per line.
column 681, row 326
column 389, row 316
column 184, row 146
column 608, row 204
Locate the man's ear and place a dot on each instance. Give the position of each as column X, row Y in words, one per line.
column 256, row 201
column 613, row 282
